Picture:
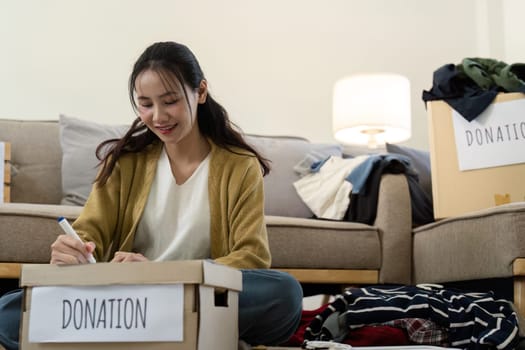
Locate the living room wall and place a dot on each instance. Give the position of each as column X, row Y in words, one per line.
column 272, row 63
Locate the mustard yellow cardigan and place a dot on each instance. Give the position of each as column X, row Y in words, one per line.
column 235, row 187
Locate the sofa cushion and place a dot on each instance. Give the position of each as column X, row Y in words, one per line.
column 79, row 140
column 35, row 158
column 478, row 245
column 323, row 244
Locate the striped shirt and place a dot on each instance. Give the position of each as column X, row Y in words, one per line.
column 473, row 320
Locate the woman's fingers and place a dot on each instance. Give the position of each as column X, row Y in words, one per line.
column 90, row 247
column 68, row 250
column 128, row 257
column 66, row 259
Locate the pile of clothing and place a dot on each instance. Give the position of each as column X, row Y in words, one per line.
column 471, row 86
column 347, row 189
column 423, row 314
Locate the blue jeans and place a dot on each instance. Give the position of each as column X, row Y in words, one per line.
column 270, row 306
column 10, row 312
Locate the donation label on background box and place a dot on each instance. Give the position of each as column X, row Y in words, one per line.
column 495, row 138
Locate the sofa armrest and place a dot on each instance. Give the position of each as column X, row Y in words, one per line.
column 394, row 220
column 27, row 230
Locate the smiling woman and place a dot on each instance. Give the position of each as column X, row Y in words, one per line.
column 169, row 110
column 161, row 105
column 182, row 183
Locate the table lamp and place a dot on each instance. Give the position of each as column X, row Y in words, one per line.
column 371, row 109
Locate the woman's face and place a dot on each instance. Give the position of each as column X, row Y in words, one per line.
column 163, row 108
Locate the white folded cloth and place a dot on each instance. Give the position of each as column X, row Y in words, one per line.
column 326, row 192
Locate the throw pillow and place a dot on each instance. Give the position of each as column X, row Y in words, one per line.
column 79, row 140
column 420, row 160
column 281, row 198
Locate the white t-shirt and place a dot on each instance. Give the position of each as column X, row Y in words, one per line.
column 175, row 224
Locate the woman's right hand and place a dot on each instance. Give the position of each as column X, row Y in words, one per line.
column 70, row 251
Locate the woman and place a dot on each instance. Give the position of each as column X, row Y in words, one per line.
column 183, row 184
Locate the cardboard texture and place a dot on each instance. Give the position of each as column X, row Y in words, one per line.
column 458, row 192
column 5, row 171
column 210, row 322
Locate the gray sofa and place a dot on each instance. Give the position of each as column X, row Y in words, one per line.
column 53, row 166
column 481, row 250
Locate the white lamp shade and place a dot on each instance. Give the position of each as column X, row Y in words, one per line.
column 372, row 106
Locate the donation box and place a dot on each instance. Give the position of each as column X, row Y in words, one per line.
column 478, row 164
column 180, row 305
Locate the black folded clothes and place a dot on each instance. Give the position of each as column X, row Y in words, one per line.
column 470, row 87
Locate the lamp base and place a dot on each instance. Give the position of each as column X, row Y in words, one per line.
column 372, row 136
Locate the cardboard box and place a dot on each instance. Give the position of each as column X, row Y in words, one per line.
column 5, row 171
column 180, row 305
column 456, row 191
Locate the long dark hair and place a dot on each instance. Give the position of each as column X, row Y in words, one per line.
column 177, row 60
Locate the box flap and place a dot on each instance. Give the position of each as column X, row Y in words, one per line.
column 188, row 271
column 221, row 276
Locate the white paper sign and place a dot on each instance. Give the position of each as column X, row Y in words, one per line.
column 127, row 313
column 2, row 171
column 495, row 138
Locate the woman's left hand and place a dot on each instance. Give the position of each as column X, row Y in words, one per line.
column 128, row 257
